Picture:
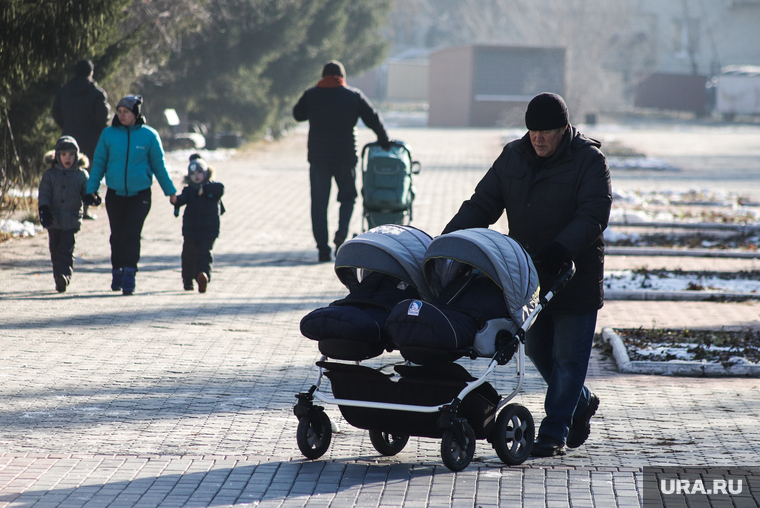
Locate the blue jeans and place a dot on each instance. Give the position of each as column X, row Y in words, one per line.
column 320, row 176
column 559, row 345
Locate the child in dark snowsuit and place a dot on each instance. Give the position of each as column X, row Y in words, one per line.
column 200, row 222
column 60, row 205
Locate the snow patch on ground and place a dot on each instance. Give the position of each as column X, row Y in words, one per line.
column 622, row 280
column 18, row 228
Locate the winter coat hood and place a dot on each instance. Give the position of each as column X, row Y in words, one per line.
column 83, row 161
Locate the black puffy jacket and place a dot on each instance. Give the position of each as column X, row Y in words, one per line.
column 81, row 109
column 201, row 218
column 332, row 114
column 567, row 201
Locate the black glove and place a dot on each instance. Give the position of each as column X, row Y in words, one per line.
column 92, row 199
column 46, row 217
column 385, row 144
column 554, row 259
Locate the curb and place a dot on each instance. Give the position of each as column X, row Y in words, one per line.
column 682, row 296
column 701, row 253
column 673, row 368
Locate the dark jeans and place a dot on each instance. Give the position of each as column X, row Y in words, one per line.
column 196, row 258
column 126, row 216
column 61, row 244
column 321, row 176
column 560, row 347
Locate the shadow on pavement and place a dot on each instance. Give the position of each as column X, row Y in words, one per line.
column 270, row 482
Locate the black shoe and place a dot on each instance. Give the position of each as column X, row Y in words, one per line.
column 324, row 256
column 547, row 446
column 188, row 285
column 338, row 241
column 202, row 280
column 61, row 281
column 581, row 427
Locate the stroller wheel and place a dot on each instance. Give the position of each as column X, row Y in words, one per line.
column 314, row 435
column 386, row 443
column 513, row 434
column 457, row 456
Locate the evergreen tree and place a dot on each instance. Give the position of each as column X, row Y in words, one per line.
column 244, row 71
column 39, row 43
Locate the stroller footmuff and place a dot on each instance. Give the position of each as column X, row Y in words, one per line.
column 354, row 328
column 380, row 268
column 445, row 329
column 484, row 285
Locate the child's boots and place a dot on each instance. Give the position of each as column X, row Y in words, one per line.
column 128, row 281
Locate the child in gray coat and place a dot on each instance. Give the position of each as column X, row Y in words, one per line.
column 60, row 205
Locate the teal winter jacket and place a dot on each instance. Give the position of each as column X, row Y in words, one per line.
column 129, row 157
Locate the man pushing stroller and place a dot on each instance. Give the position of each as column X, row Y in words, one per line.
column 554, row 184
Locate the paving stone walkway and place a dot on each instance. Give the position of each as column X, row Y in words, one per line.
column 175, row 398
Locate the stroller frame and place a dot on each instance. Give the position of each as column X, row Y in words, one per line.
column 513, row 434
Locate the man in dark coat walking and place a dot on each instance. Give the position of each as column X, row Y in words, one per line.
column 81, row 109
column 554, row 184
column 333, row 109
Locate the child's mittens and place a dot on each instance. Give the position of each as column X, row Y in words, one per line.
column 176, row 211
column 46, row 217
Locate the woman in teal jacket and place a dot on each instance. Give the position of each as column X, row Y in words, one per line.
column 129, row 154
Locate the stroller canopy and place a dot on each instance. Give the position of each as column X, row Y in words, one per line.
column 498, row 256
column 391, row 249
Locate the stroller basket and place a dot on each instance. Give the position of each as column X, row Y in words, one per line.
column 417, row 386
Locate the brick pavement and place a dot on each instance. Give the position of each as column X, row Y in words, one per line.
column 173, row 398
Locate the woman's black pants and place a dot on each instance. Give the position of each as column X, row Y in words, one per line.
column 126, row 216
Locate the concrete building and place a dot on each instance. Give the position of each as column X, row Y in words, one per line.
column 490, row 85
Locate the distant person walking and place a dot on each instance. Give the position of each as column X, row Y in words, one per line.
column 333, row 109
column 81, row 109
column 128, row 154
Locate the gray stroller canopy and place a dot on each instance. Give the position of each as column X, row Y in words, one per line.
column 498, row 256
column 390, row 249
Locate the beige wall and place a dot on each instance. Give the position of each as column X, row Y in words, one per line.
column 450, row 87
column 408, row 81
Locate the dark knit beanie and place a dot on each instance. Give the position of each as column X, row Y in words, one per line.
column 83, row 68
column 132, row 103
column 546, row 111
column 334, row 68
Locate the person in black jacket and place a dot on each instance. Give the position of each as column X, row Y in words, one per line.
column 333, row 109
column 200, row 222
column 81, row 109
column 554, row 184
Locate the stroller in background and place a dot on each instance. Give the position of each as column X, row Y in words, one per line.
column 387, row 188
column 440, row 399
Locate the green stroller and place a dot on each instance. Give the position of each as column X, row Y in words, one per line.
column 387, row 188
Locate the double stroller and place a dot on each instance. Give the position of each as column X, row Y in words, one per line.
column 387, row 190
column 468, row 294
